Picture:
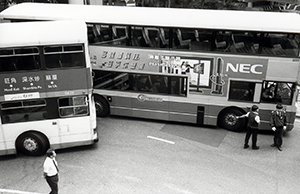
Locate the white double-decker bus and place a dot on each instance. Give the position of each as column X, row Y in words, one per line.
column 46, row 87
column 186, row 65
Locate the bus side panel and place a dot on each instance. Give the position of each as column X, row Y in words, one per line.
column 75, row 131
column 4, row 149
column 120, row 105
column 61, row 133
column 183, row 112
column 150, row 106
column 277, row 69
column 14, row 130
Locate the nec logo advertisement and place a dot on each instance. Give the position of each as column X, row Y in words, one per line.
column 246, row 68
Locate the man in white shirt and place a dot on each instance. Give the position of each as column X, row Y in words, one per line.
column 51, row 171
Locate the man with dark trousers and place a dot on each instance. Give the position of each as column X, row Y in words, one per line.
column 278, row 124
column 252, row 126
column 51, row 171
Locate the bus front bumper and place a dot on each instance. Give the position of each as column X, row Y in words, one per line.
column 95, row 137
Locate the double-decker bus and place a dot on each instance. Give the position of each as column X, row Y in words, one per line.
column 46, row 87
column 187, row 65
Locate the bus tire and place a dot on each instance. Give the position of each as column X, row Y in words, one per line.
column 32, row 143
column 228, row 120
column 102, row 107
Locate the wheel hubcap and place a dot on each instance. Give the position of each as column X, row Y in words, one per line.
column 230, row 119
column 99, row 107
column 30, row 144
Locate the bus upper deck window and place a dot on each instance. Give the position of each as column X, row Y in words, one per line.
column 64, row 56
column 19, row 59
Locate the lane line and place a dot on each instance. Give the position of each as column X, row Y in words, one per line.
column 16, row 191
column 160, row 139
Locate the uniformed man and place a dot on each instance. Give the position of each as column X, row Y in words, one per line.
column 278, row 124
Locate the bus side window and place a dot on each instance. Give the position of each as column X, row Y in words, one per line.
column 22, row 111
column 137, row 36
column 277, row 92
column 242, row 42
column 73, row 106
column 182, row 39
column 241, row 91
column 142, row 83
column 223, row 41
column 178, row 86
column 91, row 35
column 159, row 84
column 293, row 40
column 100, row 34
column 19, row 59
column 8, row 63
column 151, row 36
column 120, row 35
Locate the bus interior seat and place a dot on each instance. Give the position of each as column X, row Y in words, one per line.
column 136, row 37
column 237, row 44
column 146, row 37
column 120, row 35
column 202, row 41
column 277, row 49
column 119, row 32
column 97, row 33
column 154, row 36
column 220, row 42
column 183, row 43
column 164, row 40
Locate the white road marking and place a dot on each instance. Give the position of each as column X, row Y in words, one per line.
column 159, row 139
column 177, row 189
column 4, row 191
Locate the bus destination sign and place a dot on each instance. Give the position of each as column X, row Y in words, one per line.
column 31, row 84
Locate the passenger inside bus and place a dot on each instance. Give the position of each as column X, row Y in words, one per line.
column 142, row 83
column 277, row 92
column 159, row 84
column 269, row 93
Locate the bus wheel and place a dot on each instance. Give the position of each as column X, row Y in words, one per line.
column 102, row 107
column 228, row 120
column 31, row 143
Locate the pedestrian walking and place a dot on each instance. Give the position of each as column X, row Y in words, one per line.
column 51, row 171
column 252, row 126
column 278, row 124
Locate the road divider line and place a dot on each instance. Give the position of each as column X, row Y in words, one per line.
column 16, row 191
column 160, row 139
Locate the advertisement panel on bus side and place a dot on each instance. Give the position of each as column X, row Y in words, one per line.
column 207, row 73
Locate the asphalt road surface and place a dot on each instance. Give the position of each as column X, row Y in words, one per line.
column 148, row 157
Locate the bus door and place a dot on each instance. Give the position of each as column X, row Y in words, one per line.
column 74, row 123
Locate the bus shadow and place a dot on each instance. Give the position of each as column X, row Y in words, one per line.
column 77, row 149
column 163, row 121
column 206, row 134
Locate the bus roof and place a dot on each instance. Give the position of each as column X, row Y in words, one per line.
column 158, row 17
column 42, row 33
